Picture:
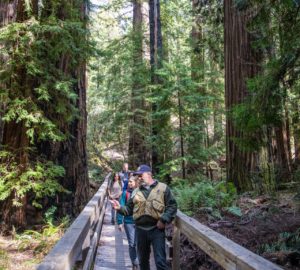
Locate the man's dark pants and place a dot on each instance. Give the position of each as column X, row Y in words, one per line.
column 145, row 239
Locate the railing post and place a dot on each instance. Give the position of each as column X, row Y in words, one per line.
column 176, row 249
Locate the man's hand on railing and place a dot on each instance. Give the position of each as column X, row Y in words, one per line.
column 115, row 204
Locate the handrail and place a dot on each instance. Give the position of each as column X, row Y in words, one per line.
column 80, row 240
column 225, row 252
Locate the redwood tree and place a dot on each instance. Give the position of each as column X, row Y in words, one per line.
column 161, row 144
column 241, row 63
column 43, row 127
column 196, row 138
column 138, row 124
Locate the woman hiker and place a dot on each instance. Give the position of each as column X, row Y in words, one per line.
column 114, row 193
column 129, row 223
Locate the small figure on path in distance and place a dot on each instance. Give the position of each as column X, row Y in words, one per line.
column 152, row 206
column 125, row 174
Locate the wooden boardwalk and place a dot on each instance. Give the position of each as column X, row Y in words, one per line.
column 80, row 244
column 112, row 251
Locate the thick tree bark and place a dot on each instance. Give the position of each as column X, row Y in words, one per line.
column 71, row 154
column 8, row 13
column 196, row 138
column 182, row 154
column 161, row 149
column 288, row 134
column 13, row 135
column 217, row 120
column 16, row 142
column 155, row 61
column 137, row 137
column 282, row 158
column 241, row 63
column 296, row 133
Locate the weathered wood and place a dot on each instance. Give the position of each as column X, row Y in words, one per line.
column 112, row 250
column 76, row 240
column 176, row 249
column 92, row 251
column 224, row 251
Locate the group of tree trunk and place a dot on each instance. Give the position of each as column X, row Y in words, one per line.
column 159, row 152
column 270, row 155
column 256, row 158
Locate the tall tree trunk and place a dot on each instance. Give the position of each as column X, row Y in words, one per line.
column 196, row 138
column 288, row 134
column 13, row 135
column 282, row 152
column 241, row 63
column 161, row 146
column 15, row 141
column 296, row 132
column 180, row 116
column 71, row 153
column 217, row 120
column 137, row 143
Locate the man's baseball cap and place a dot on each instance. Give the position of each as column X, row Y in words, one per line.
column 142, row 169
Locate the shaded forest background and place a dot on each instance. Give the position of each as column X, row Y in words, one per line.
column 196, row 86
column 206, row 92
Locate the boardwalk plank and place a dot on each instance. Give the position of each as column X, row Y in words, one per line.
column 112, row 251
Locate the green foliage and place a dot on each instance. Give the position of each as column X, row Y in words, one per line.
column 287, row 241
column 49, row 215
column 113, row 74
column 271, row 92
column 39, row 85
column 4, row 260
column 191, row 197
column 96, row 173
column 32, row 51
column 40, row 178
column 42, row 242
column 234, row 210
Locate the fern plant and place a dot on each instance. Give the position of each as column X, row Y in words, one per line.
column 41, row 242
column 191, row 197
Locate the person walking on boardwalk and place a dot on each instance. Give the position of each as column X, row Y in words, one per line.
column 128, row 222
column 125, row 174
column 114, row 193
column 152, row 206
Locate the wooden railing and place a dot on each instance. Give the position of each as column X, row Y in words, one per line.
column 79, row 242
column 225, row 252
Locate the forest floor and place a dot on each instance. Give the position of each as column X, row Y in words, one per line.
column 268, row 226
column 14, row 258
column 24, row 251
